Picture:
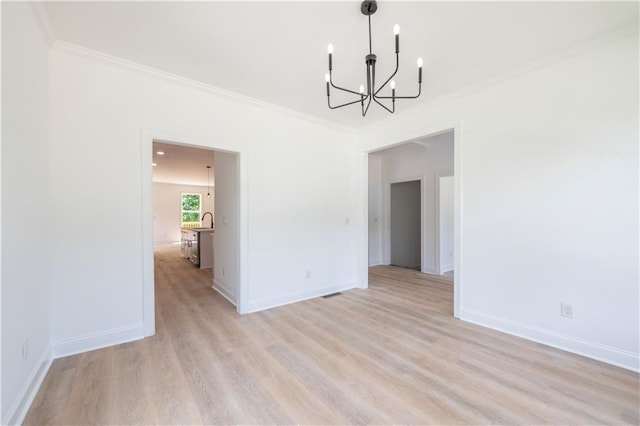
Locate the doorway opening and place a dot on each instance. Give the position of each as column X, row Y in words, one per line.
column 405, row 225
column 413, row 206
column 192, row 198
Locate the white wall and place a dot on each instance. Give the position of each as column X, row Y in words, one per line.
column 226, row 248
column 25, row 213
column 375, row 210
column 296, row 214
column 405, row 163
column 167, row 218
column 549, row 191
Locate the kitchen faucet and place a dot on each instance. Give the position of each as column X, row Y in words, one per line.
column 210, row 214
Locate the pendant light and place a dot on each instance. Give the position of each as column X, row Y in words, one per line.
column 208, row 186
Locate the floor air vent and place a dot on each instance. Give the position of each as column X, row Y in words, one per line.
column 331, row 295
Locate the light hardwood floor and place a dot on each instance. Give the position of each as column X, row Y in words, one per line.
column 389, row 354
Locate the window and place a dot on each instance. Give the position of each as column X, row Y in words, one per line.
column 191, row 209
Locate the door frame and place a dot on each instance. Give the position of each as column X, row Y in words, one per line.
column 438, row 176
column 458, row 228
column 147, row 138
column 386, row 242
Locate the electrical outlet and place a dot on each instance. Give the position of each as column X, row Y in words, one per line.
column 223, row 271
column 347, row 221
column 308, row 273
column 25, row 348
column 566, row 310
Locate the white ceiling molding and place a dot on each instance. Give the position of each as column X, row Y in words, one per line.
column 273, row 53
column 620, row 33
column 245, row 50
column 75, row 49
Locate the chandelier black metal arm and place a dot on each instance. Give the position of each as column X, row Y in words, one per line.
column 404, row 97
column 338, row 87
column 368, row 8
column 330, row 83
column 392, row 75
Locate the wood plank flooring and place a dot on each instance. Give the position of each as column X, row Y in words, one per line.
column 389, row 354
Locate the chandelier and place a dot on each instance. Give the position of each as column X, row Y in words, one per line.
column 370, row 92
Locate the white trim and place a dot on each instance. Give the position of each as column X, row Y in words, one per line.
column 146, row 198
column 430, row 131
column 242, row 253
column 446, row 268
column 104, row 57
column 439, row 267
column 224, row 291
column 98, row 340
column 146, row 144
column 362, row 237
column 620, row 33
column 597, row 351
column 16, row 414
column 386, row 203
column 377, row 260
column 2, row 414
column 261, row 305
column 458, row 219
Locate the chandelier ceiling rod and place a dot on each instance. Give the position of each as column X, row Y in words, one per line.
column 368, row 8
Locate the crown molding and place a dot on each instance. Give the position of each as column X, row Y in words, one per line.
column 43, row 20
column 75, row 49
column 620, row 33
column 617, row 34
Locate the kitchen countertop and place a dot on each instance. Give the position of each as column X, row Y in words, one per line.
column 199, row 229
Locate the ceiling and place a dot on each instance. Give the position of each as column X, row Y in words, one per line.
column 182, row 165
column 276, row 51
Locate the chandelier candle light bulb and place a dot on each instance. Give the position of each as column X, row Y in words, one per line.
column 396, row 32
column 368, row 8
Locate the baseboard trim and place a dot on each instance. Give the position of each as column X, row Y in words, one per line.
column 20, row 407
column 375, row 262
column 224, row 291
column 261, row 305
column 101, row 339
column 589, row 349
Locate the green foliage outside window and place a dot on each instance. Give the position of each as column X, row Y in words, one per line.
column 191, row 209
column 190, row 217
column 190, row 202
